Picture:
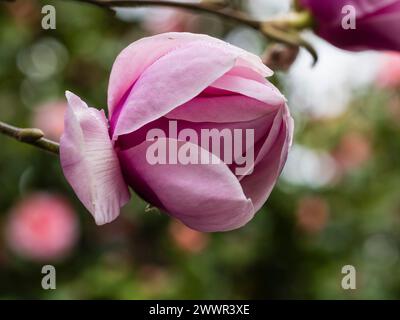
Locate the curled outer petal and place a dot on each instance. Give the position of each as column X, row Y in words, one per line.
column 89, row 161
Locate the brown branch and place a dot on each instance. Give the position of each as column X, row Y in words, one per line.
column 283, row 29
column 32, row 136
column 233, row 16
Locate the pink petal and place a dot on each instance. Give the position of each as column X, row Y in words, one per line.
column 270, row 160
column 264, row 92
column 261, row 127
column 234, row 108
column 206, row 197
column 137, row 57
column 171, row 81
column 89, row 162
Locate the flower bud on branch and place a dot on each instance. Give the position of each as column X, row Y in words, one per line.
column 32, row 136
column 280, row 57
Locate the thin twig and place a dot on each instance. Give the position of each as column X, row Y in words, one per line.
column 232, row 16
column 32, row 136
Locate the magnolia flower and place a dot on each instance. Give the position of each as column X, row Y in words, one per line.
column 376, row 25
column 189, row 83
column 42, row 227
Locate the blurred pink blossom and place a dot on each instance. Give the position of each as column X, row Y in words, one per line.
column 49, row 118
column 187, row 239
column 42, row 227
column 389, row 75
column 353, row 151
column 160, row 20
column 312, row 214
column 24, row 13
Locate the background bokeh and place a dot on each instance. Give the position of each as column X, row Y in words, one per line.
column 337, row 202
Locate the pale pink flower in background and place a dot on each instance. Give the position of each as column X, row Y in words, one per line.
column 201, row 83
column 49, row 117
column 353, row 151
column 187, row 239
column 312, row 214
column 42, row 227
column 389, row 74
column 377, row 23
column 160, row 20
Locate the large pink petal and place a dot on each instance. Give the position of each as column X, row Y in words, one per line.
column 206, row 197
column 171, row 81
column 140, row 55
column 89, row 162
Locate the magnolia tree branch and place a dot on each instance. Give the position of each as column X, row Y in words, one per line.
column 284, row 29
column 32, row 136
